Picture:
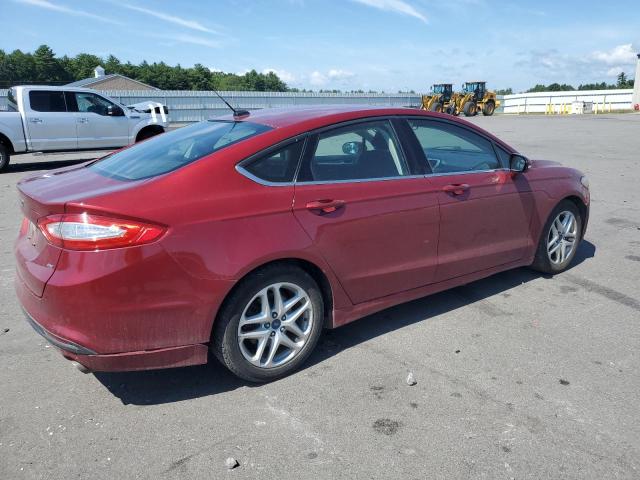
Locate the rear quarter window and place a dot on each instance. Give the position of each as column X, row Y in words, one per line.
column 169, row 151
column 276, row 166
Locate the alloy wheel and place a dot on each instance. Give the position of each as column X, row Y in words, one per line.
column 275, row 325
column 561, row 239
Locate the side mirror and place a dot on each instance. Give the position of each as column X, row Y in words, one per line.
column 115, row 111
column 351, row 148
column 518, row 163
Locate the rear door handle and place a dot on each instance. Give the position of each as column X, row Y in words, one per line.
column 35, row 120
column 83, row 120
column 456, row 188
column 325, row 206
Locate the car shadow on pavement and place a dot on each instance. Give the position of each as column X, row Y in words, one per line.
column 46, row 165
column 171, row 385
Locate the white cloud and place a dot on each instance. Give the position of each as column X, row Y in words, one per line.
column 171, row 39
column 334, row 77
column 193, row 40
column 286, row 77
column 69, row 11
column 614, row 71
column 552, row 65
column 621, row 54
column 395, row 6
column 183, row 22
column 317, row 79
column 337, row 74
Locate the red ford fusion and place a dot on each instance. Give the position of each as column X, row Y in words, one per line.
column 246, row 236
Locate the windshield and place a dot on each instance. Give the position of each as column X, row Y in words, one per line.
column 438, row 89
column 175, row 149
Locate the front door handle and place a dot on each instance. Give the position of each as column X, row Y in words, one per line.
column 456, row 188
column 325, row 206
column 83, row 120
column 35, row 120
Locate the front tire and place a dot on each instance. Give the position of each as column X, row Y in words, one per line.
column 559, row 240
column 436, row 107
column 270, row 324
column 488, row 108
column 470, row 109
column 4, row 157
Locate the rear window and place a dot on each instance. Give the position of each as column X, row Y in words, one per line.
column 175, row 149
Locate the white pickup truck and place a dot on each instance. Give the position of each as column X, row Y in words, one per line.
column 61, row 119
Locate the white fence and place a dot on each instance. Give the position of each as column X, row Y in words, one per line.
column 557, row 102
column 193, row 106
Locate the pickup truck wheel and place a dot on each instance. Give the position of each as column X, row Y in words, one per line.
column 4, row 157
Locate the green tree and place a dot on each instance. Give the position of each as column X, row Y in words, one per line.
column 44, row 67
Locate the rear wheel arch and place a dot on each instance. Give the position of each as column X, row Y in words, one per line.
column 306, row 266
column 7, row 143
column 6, row 149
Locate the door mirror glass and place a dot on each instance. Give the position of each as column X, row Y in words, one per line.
column 351, row 148
column 115, row 111
column 518, row 163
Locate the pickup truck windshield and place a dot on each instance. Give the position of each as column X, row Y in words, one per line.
column 175, row 149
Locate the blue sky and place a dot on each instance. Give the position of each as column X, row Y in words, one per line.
column 347, row 44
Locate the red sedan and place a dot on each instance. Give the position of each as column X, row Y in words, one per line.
column 247, row 236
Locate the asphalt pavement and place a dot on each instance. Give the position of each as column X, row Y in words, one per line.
column 518, row 375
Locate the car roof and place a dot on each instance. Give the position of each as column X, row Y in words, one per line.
column 53, row 88
column 324, row 114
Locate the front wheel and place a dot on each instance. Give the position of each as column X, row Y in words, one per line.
column 470, row 109
column 488, row 108
column 270, row 324
column 4, row 157
column 559, row 240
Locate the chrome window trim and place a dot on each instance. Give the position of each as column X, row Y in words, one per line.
column 256, row 156
column 466, row 172
column 360, row 180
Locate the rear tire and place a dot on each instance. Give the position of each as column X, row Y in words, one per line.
column 488, row 108
column 252, row 321
column 436, row 107
column 470, row 109
column 4, row 157
column 559, row 239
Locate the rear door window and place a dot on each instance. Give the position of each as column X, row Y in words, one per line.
column 452, row 149
column 47, row 101
column 175, row 149
column 362, row 151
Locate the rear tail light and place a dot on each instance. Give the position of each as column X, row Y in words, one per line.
column 93, row 232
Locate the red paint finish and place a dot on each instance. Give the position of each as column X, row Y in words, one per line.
column 483, row 225
column 377, row 243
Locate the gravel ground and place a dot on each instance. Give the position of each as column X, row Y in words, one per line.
column 518, row 375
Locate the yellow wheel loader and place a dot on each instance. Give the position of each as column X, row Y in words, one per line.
column 439, row 98
column 475, row 98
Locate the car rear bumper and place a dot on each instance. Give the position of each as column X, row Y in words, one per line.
column 127, row 361
column 78, row 341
